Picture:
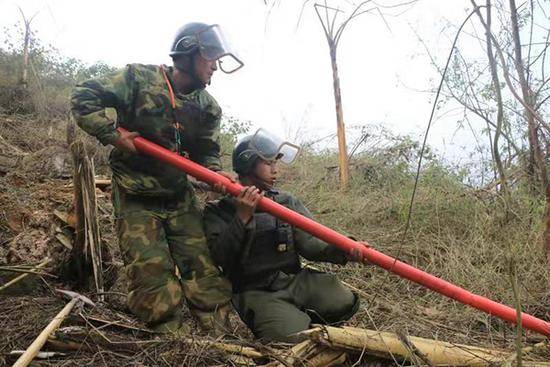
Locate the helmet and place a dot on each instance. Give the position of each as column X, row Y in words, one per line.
column 262, row 145
column 209, row 41
column 244, row 156
column 186, row 42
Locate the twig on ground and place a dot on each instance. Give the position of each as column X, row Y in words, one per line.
column 23, row 276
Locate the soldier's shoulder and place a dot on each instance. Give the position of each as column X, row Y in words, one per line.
column 284, row 195
column 288, row 199
column 208, row 100
column 144, row 71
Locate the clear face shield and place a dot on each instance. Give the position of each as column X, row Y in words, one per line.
column 270, row 147
column 213, row 45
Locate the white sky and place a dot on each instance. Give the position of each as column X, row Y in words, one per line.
column 286, row 83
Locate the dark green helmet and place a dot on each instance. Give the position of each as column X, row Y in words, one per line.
column 209, row 41
column 262, row 145
column 244, row 156
column 186, row 40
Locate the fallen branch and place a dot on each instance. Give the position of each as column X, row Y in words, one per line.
column 40, row 355
column 77, row 338
column 26, row 271
column 23, row 276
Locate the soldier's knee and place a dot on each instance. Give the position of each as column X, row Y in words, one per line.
column 285, row 329
column 340, row 307
column 345, row 309
column 155, row 302
column 149, row 273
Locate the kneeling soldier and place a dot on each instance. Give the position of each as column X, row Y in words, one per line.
column 158, row 222
column 260, row 254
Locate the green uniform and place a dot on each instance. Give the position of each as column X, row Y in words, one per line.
column 273, row 295
column 158, row 222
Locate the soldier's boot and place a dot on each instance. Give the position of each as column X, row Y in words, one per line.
column 174, row 327
column 215, row 323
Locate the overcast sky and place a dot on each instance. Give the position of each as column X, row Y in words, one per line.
column 286, row 82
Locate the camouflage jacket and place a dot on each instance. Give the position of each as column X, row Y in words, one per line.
column 230, row 240
column 140, row 96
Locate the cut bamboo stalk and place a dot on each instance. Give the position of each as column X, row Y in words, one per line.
column 102, row 182
column 41, row 339
column 310, row 354
column 229, row 348
column 79, row 252
column 22, row 276
column 299, row 353
column 87, row 251
column 327, row 358
column 39, row 342
column 386, row 344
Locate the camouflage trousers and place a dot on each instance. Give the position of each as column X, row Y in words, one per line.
column 156, row 235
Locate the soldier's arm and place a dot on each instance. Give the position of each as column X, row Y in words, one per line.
column 90, row 99
column 227, row 236
column 207, row 144
column 310, row 247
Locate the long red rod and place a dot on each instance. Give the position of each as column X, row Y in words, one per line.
column 346, row 244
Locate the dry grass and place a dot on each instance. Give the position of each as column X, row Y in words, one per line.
column 457, row 233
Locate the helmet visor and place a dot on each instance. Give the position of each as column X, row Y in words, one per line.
column 270, row 147
column 213, row 45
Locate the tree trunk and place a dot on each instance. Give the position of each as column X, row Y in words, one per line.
column 24, row 71
column 535, row 149
column 87, row 250
column 500, row 109
column 341, row 130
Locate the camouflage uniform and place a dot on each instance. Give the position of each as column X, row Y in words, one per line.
column 158, row 222
column 273, row 295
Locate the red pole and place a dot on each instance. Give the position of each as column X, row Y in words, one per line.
column 344, row 243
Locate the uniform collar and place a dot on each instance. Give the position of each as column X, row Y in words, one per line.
column 271, row 192
column 170, row 74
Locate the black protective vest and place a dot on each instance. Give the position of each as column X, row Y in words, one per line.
column 271, row 251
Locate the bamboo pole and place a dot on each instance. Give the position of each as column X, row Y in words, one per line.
column 385, row 344
column 310, row 354
column 340, row 127
column 39, row 342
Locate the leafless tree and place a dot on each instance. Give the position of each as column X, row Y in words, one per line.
column 535, row 123
column 26, row 43
column 333, row 31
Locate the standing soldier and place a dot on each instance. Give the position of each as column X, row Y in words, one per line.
column 259, row 253
column 158, row 223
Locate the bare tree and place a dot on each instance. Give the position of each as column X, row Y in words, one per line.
column 26, row 44
column 333, row 32
column 531, row 109
column 532, row 124
column 333, row 36
column 500, row 105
